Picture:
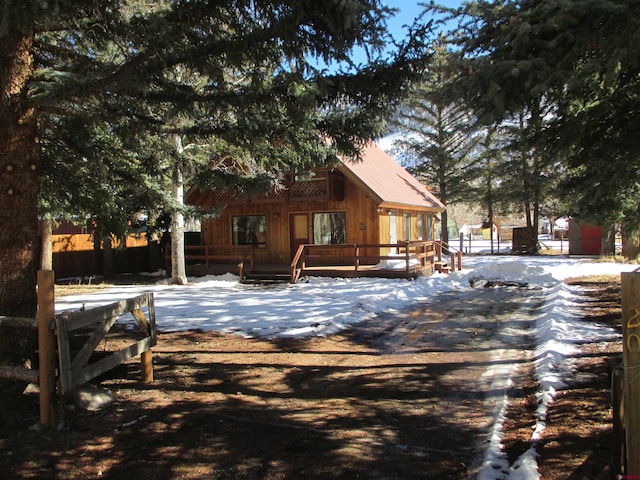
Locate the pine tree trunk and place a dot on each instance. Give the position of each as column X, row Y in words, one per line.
column 178, row 268
column 46, row 244
column 19, row 161
column 491, row 226
column 631, row 243
column 444, row 229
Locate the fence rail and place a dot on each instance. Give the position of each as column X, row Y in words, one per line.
column 11, row 372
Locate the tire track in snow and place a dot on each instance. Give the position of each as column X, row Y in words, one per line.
column 500, row 320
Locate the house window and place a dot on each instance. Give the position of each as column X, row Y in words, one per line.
column 250, row 230
column 425, row 222
column 406, row 225
column 329, row 228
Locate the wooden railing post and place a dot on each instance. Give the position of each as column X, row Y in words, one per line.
column 407, row 258
column 49, row 405
column 356, row 256
column 424, row 253
column 631, row 359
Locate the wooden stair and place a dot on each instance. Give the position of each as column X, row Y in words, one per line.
column 266, row 275
column 442, row 266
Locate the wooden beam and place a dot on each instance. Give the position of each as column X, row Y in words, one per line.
column 19, row 374
column 631, row 359
column 64, row 356
column 88, row 372
column 19, row 321
column 87, row 349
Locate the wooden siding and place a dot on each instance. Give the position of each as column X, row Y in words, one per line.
column 360, row 214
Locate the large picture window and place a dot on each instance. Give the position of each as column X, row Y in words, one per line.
column 250, row 230
column 329, row 228
column 425, row 221
column 406, row 225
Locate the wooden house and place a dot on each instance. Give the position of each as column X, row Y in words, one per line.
column 355, row 218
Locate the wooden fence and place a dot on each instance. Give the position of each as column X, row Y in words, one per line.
column 75, row 369
column 61, row 368
column 78, row 255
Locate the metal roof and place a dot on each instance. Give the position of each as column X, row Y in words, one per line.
column 388, row 182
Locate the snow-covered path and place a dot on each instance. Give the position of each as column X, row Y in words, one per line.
column 323, row 306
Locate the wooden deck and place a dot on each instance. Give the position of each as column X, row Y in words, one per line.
column 402, row 260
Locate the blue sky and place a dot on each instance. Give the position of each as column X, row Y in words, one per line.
column 408, row 11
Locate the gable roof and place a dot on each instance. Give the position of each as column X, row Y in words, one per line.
column 388, row 183
column 379, row 175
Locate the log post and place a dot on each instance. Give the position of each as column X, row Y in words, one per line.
column 146, row 364
column 631, row 358
column 49, row 411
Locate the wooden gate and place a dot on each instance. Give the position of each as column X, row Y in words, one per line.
column 75, row 368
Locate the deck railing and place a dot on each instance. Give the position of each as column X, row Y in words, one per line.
column 404, row 258
column 413, row 255
column 212, row 254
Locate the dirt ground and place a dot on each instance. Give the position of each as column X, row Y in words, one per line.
column 379, row 401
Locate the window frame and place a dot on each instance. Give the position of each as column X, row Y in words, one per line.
column 261, row 231
column 316, row 235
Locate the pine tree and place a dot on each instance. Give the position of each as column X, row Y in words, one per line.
column 575, row 57
column 112, row 70
column 438, row 142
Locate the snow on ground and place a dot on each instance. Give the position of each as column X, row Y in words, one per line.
column 322, row 306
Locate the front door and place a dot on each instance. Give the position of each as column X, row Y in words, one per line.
column 299, row 231
column 591, row 240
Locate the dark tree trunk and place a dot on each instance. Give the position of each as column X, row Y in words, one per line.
column 444, row 229
column 631, row 243
column 19, row 165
